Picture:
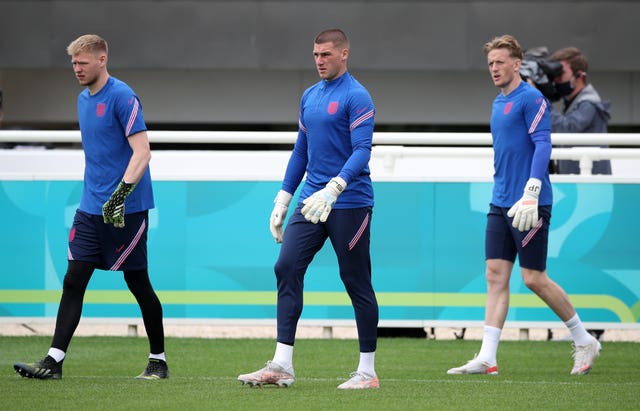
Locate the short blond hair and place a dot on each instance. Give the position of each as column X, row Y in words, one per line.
column 91, row 43
column 507, row 42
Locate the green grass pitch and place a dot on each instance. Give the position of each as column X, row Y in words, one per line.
column 98, row 374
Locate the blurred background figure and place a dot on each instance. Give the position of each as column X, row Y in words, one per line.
column 584, row 111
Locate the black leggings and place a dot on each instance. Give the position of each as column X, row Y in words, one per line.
column 75, row 284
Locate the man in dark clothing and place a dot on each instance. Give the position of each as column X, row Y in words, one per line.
column 584, row 111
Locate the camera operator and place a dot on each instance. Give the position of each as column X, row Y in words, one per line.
column 584, row 111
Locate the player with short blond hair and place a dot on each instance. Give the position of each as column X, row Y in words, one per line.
column 520, row 210
column 110, row 226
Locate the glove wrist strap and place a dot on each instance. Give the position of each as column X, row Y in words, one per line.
column 123, row 190
column 283, row 198
column 338, row 184
column 533, row 187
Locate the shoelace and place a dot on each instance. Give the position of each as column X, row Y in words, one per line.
column 275, row 367
column 47, row 362
column 579, row 354
column 362, row 377
column 154, row 366
column 474, row 359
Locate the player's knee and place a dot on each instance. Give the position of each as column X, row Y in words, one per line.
column 498, row 273
column 77, row 277
column 532, row 284
column 137, row 281
column 71, row 283
column 534, row 280
column 495, row 278
column 283, row 269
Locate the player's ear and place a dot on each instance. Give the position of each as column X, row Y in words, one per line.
column 516, row 65
column 345, row 54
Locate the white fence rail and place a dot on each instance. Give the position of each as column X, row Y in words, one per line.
column 585, row 155
column 411, row 155
column 288, row 137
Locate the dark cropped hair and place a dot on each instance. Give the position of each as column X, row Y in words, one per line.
column 335, row 36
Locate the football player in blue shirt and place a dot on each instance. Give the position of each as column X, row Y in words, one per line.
column 520, row 210
column 336, row 200
column 110, row 227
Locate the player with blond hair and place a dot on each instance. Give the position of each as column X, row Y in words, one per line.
column 110, row 226
column 520, row 210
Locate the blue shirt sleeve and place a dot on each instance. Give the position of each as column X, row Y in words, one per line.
column 297, row 163
column 538, row 120
column 129, row 112
column 541, row 154
column 361, row 127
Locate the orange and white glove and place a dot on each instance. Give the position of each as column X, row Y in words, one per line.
column 525, row 211
column 318, row 206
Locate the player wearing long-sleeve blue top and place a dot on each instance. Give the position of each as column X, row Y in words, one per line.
column 336, row 200
column 520, row 210
column 334, row 139
column 521, row 133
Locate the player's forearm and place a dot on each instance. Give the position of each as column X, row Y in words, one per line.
column 295, row 170
column 541, row 156
column 140, row 158
column 137, row 167
column 357, row 162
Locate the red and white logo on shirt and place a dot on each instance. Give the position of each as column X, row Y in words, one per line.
column 100, row 109
column 332, row 108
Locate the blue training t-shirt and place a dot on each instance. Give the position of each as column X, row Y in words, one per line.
column 521, row 132
column 334, row 139
column 106, row 120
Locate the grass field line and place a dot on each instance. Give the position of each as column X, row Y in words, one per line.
column 477, row 379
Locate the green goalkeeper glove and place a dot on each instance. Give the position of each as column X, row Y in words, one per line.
column 113, row 209
column 525, row 211
column 318, row 206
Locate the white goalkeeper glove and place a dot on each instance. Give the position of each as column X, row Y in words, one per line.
column 278, row 215
column 318, row 206
column 525, row 211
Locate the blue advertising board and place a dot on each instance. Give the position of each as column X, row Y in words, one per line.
column 211, row 254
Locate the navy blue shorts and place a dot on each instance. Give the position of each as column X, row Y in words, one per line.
column 108, row 247
column 504, row 242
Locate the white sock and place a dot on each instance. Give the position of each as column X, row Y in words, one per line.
column 578, row 332
column 160, row 356
column 489, row 348
column 56, row 354
column 284, row 355
column 366, row 364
